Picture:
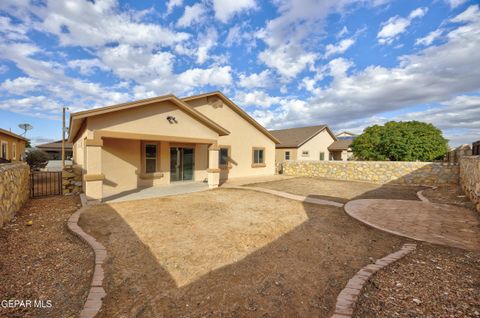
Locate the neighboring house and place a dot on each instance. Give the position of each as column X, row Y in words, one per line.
column 346, row 135
column 54, row 149
column 303, row 143
column 12, row 146
column 340, row 149
column 167, row 139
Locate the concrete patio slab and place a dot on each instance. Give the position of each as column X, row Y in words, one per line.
column 158, row 191
column 435, row 223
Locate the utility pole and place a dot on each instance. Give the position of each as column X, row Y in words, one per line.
column 63, row 137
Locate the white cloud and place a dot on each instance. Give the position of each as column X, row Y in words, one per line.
column 343, row 32
column 3, row 68
column 340, row 48
column 216, row 76
column 263, row 79
column 226, row 9
column 433, row 75
column 193, row 14
column 206, row 42
column 20, row 85
column 429, row 38
column 288, row 60
column 455, row 3
column 87, row 66
column 397, row 25
column 171, row 4
column 256, row 98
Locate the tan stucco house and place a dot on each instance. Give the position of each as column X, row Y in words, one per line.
column 303, row 143
column 12, row 146
column 54, row 149
column 167, row 139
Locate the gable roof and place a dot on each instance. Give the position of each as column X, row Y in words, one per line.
column 54, row 145
column 236, row 109
column 77, row 119
column 11, row 134
column 341, row 144
column 296, row 137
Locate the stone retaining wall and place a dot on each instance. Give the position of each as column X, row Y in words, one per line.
column 470, row 178
column 72, row 180
column 14, row 189
column 397, row 172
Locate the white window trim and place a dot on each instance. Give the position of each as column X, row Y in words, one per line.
column 3, row 142
column 289, row 155
column 14, row 151
column 145, row 156
column 305, row 153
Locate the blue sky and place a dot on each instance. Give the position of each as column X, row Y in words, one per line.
column 288, row 63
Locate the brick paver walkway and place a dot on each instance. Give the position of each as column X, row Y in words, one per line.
column 435, row 223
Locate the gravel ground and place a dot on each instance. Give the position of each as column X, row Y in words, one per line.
column 44, row 261
column 341, row 191
column 432, row 281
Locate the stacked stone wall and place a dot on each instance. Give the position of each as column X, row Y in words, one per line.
column 14, row 189
column 470, row 178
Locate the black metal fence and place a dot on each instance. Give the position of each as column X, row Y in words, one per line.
column 45, row 183
column 476, row 148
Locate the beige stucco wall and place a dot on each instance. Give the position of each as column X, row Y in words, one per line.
column 397, row 172
column 243, row 137
column 280, row 154
column 152, row 120
column 317, row 144
column 10, row 140
column 470, row 178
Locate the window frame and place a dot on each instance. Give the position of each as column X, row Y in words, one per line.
column 3, row 142
column 285, row 156
column 305, row 153
column 259, row 164
column 228, row 164
column 14, row 151
column 321, row 156
column 145, row 158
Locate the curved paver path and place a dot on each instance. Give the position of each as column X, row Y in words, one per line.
column 431, row 222
column 287, row 195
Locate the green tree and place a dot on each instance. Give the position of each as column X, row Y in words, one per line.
column 400, row 141
column 36, row 159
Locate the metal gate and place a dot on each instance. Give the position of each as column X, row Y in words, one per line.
column 45, row 183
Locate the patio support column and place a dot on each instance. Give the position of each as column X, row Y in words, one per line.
column 213, row 170
column 93, row 177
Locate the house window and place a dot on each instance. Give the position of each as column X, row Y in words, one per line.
column 305, row 153
column 287, row 155
column 150, row 158
column 322, row 156
column 4, row 150
column 223, row 156
column 14, row 151
column 258, row 157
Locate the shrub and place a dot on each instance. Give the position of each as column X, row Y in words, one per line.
column 37, row 159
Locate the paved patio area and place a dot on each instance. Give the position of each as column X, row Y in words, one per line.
column 435, row 223
column 158, row 191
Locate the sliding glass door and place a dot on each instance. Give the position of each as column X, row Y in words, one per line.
column 182, row 161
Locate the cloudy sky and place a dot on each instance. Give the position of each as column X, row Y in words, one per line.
column 346, row 63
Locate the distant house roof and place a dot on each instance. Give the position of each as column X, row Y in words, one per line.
column 55, row 146
column 295, row 137
column 342, row 144
column 9, row 133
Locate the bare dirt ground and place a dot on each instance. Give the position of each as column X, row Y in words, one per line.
column 451, row 194
column 229, row 253
column 44, row 261
column 432, row 281
column 341, row 191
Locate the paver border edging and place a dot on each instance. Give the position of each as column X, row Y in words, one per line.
column 287, row 195
column 347, row 298
column 97, row 293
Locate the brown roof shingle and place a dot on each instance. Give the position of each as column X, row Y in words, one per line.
column 55, row 145
column 342, row 144
column 295, row 137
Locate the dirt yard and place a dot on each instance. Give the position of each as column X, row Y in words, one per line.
column 452, row 194
column 229, row 253
column 433, row 281
column 341, row 191
column 44, row 261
